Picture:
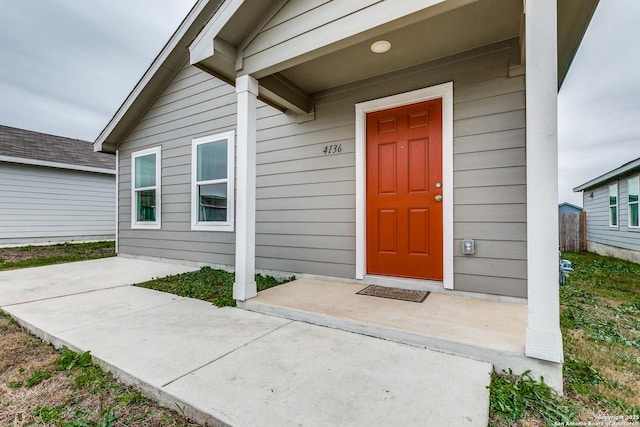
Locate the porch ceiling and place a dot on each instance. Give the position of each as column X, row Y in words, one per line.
column 471, row 26
column 449, row 28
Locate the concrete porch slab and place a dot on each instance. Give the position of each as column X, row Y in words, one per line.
column 482, row 329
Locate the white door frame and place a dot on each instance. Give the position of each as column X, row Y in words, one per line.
column 445, row 92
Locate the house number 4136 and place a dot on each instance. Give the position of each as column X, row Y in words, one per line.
column 332, row 149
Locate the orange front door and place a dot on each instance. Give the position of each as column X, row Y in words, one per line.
column 404, row 191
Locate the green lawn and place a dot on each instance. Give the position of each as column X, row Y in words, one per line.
column 207, row 284
column 600, row 323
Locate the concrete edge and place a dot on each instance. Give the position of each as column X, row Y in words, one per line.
column 500, row 360
column 46, row 298
column 362, row 328
column 157, row 394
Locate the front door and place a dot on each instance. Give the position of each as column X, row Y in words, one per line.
column 404, row 191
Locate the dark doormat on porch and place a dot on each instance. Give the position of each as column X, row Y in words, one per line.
column 394, row 293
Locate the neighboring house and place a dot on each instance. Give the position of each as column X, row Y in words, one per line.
column 611, row 203
column 353, row 140
column 54, row 189
column 566, row 207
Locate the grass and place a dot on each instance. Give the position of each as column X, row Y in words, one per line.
column 517, row 397
column 36, row 256
column 42, row 386
column 208, row 284
column 600, row 323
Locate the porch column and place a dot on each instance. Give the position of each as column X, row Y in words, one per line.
column 544, row 339
column 244, row 286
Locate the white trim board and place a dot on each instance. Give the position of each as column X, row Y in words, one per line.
column 445, row 92
column 227, row 225
column 157, row 224
column 46, row 163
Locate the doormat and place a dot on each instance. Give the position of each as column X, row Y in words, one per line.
column 411, row 295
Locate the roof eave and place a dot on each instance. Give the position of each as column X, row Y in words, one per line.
column 166, row 64
column 611, row 175
column 56, row 165
column 572, row 25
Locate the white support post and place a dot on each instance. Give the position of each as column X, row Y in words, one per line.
column 244, row 286
column 544, row 339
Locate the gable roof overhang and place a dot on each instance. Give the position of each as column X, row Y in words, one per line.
column 626, row 169
column 163, row 68
column 299, row 49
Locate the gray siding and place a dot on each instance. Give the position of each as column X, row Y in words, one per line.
column 48, row 204
column 306, row 199
column 194, row 104
column 597, row 209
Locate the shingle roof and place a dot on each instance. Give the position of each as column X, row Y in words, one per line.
column 25, row 144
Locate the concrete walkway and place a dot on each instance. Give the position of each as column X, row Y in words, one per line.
column 227, row 366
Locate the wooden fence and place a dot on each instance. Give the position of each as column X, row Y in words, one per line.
column 573, row 231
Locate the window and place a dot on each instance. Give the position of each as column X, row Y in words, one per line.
column 613, row 205
column 145, row 188
column 212, row 182
column 634, row 188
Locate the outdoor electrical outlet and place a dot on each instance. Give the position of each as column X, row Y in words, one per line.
column 468, row 247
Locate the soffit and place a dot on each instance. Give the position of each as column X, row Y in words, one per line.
column 573, row 19
column 477, row 24
column 245, row 20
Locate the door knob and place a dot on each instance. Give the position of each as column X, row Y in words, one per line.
column 438, row 198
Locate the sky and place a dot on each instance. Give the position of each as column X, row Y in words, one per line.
column 67, row 65
column 599, row 102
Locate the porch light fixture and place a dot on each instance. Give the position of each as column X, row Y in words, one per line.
column 380, row 46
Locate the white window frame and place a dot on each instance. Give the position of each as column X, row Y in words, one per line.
column 155, row 225
column 617, row 205
column 228, row 225
column 629, row 203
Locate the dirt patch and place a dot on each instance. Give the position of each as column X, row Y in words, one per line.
column 35, row 390
column 90, row 250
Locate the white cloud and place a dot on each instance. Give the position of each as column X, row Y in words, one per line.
column 599, row 103
column 67, row 65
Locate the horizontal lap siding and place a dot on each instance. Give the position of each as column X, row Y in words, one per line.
column 40, row 202
column 490, row 186
column 597, row 208
column 300, row 17
column 306, row 199
column 194, row 104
